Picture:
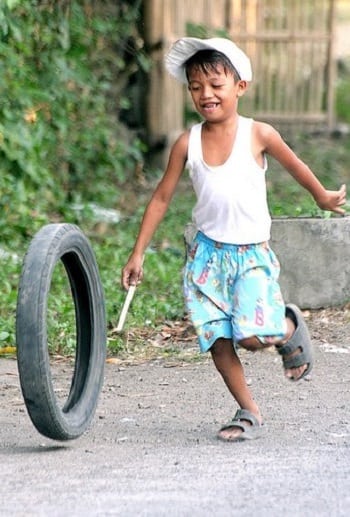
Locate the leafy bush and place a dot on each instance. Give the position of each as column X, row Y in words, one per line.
column 63, row 70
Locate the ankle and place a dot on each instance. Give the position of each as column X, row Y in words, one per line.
column 289, row 333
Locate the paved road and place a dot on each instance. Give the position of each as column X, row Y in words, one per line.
column 152, row 451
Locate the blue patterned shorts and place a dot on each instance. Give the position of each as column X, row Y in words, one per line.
column 232, row 291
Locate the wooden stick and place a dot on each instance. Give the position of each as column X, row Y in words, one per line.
column 129, row 297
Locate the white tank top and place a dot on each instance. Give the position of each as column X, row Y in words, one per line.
column 231, row 198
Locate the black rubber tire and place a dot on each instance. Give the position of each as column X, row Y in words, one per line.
column 65, row 242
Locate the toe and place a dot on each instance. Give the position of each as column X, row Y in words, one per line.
column 296, row 373
column 230, row 434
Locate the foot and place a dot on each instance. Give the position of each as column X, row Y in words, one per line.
column 295, row 374
column 296, row 350
column 244, row 425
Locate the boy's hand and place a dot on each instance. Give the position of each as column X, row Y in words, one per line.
column 132, row 273
column 333, row 200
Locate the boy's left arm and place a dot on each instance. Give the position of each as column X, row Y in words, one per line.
column 274, row 145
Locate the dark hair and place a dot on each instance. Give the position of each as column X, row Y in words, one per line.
column 208, row 60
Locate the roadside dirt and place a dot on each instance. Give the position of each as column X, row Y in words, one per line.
column 152, row 449
column 173, row 347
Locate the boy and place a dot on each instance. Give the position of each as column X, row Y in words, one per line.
column 231, row 276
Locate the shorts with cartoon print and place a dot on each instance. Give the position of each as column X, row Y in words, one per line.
column 232, row 291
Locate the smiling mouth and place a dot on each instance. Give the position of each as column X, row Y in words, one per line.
column 210, row 106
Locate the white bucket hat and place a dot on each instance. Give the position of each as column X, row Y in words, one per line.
column 185, row 48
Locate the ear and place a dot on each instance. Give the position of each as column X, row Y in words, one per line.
column 242, row 88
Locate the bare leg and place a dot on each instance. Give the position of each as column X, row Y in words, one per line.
column 229, row 366
column 253, row 344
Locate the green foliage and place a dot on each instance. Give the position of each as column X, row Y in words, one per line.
column 327, row 157
column 343, row 92
column 63, row 70
column 61, row 331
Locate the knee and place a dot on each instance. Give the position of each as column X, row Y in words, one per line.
column 223, row 355
column 219, row 348
column 222, row 350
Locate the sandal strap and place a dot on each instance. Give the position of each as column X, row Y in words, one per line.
column 240, row 420
column 244, row 414
column 295, row 361
column 292, row 344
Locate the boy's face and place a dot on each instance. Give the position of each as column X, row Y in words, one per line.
column 215, row 93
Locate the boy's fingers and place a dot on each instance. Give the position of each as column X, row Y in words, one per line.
column 126, row 278
column 342, row 194
column 343, row 199
column 131, row 278
column 342, row 190
column 340, row 211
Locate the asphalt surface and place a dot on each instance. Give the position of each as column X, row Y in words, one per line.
column 152, row 449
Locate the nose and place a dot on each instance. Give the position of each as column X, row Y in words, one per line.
column 207, row 92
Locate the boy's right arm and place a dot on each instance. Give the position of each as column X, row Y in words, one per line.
column 132, row 272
